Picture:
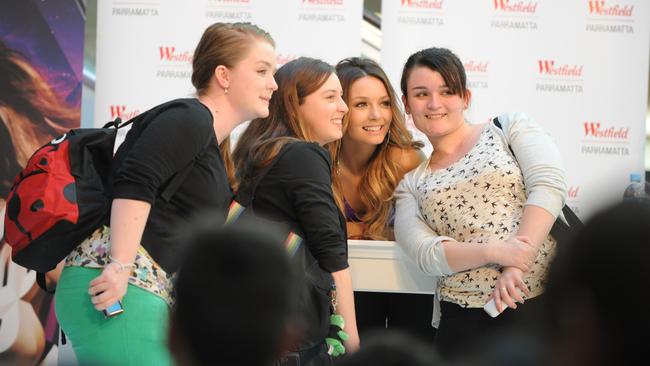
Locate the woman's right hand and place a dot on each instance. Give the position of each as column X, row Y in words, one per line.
column 515, row 252
column 109, row 287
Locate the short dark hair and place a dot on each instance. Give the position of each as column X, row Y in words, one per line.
column 441, row 60
column 232, row 295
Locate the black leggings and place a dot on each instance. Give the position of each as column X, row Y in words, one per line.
column 463, row 329
column 410, row 313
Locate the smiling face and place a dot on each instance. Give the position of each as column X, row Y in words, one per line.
column 322, row 111
column 370, row 113
column 251, row 80
column 435, row 110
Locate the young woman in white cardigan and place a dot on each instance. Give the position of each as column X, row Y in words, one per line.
column 472, row 215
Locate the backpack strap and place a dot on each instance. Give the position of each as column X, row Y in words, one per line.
column 498, row 124
column 178, row 178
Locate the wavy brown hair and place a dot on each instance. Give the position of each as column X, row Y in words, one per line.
column 383, row 173
column 265, row 137
column 31, row 114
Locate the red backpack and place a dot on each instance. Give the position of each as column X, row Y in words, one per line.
column 60, row 197
column 65, row 193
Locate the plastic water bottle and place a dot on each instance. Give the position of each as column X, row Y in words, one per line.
column 635, row 190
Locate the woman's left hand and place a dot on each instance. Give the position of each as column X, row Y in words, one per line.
column 505, row 289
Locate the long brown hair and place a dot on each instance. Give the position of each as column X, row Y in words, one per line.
column 383, row 173
column 265, row 137
column 30, row 113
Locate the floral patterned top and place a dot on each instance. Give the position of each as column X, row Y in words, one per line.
column 479, row 197
column 93, row 253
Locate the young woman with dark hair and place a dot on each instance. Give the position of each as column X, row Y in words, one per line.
column 474, row 215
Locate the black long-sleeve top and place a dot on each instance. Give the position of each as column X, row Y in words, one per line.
column 298, row 191
column 169, row 138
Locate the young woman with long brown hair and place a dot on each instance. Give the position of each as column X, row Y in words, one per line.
column 305, row 113
column 374, row 153
column 369, row 161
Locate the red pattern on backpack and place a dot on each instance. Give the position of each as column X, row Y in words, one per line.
column 43, row 195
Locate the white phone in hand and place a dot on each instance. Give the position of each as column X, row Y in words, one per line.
column 491, row 308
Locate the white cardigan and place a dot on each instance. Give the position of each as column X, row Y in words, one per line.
column 541, row 166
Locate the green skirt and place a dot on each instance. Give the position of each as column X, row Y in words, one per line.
column 138, row 336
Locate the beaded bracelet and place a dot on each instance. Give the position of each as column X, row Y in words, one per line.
column 123, row 266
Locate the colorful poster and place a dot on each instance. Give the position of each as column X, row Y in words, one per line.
column 41, row 58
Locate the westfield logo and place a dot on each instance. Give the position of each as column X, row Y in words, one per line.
column 122, row 112
column 515, row 6
column 323, row 2
column 599, row 7
column 548, row 67
column 423, row 4
column 170, row 54
column 595, row 129
column 283, row 59
column 474, row 66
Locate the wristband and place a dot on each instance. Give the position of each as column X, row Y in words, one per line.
column 123, row 266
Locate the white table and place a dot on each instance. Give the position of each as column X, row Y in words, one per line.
column 382, row 266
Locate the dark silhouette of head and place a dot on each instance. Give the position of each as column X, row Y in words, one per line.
column 392, row 348
column 598, row 290
column 232, row 296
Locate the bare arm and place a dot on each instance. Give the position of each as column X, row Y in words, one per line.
column 345, row 300
column 536, row 224
column 128, row 219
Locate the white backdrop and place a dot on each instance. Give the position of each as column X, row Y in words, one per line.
column 579, row 68
column 145, row 47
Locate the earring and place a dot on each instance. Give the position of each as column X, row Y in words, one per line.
column 225, row 91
